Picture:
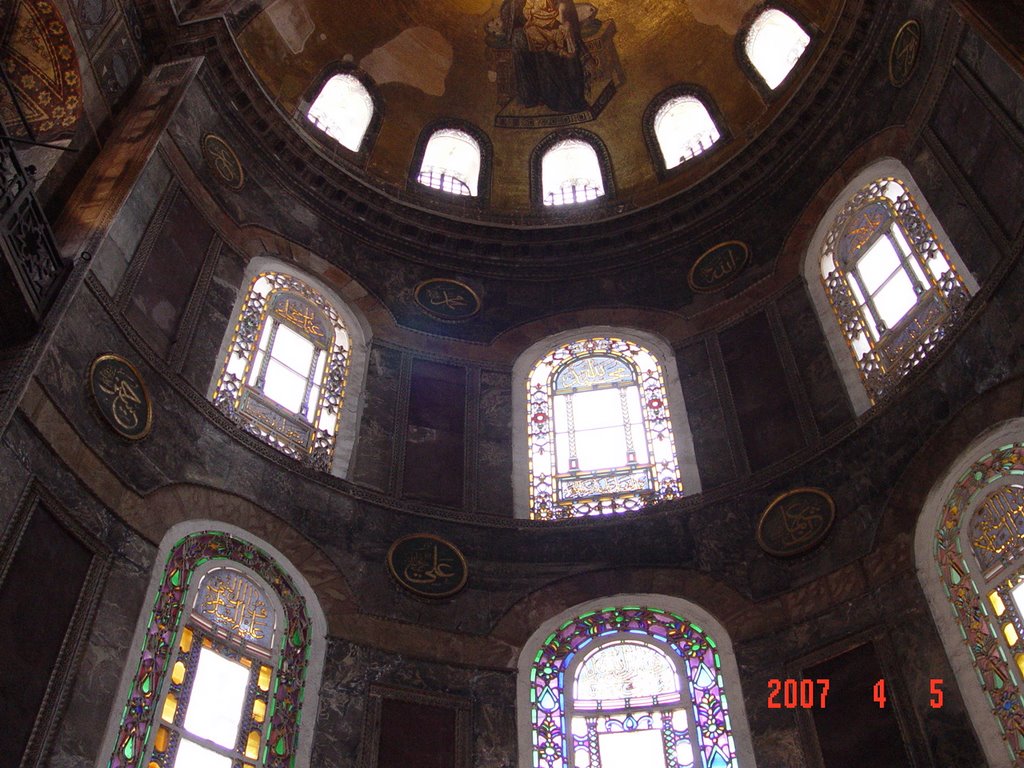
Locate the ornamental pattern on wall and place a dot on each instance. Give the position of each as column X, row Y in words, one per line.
column 138, row 721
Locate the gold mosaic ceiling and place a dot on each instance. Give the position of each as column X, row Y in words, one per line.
column 436, row 59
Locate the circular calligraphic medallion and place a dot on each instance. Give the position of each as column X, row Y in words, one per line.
column 223, row 161
column 121, row 396
column 718, row 266
column 903, row 55
column 427, row 565
column 795, row 522
column 447, row 300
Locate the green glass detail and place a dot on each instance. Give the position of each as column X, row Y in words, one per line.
column 129, row 749
column 280, row 748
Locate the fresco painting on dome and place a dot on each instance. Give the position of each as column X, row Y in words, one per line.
column 554, row 62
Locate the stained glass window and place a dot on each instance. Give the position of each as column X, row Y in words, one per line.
column 571, row 173
column 222, row 671
column 451, row 162
column 774, row 44
column 343, row 110
column 684, row 129
column 628, row 686
column 893, row 287
column 977, row 550
column 284, row 376
column 599, row 433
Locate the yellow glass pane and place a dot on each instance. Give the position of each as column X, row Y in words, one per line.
column 259, row 710
column 170, row 707
column 1011, row 634
column 997, row 603
column 178, row 673
column 1020, row 662
column 153, row 764
column 160, row 742
column 264, row 681
column 207, row 642
column 247, row 663
column 186, row 640
column 252, row 745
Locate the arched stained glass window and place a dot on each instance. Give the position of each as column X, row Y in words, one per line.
column 571, row 173
column 599, row 433
column 343, row 110
column 224, row 663
column 451, row 162
column 894, row 288
column 625, row 686
column 774, row 43
column 283, row 379
column 977, row 547
column 684, row 129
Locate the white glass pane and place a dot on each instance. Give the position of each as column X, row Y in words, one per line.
column 284, row 386
column 265, row 334
column 901, row 240
column 895, row 299
column 257, row 364
column 774, row 44
column 1017, row 593
column 343, row 110
column 314, row 396
column 570, row 172
column 625, row 670
column 631, row 749
column 598, row 408
column 684, row 129
column 215, row 706
column 191, row 755
column 456, row 153
column 601, row 448
column 292, row 349
column 878, row 262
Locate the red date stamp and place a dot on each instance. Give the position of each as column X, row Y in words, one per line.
column 811, row 694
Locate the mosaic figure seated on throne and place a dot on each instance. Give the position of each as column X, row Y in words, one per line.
column 552, row 57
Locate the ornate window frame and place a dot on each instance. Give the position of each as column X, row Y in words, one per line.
column 361, row 156
column 678, row 422
column 957, row 589
column 186, row 553
column 650, row 136
column 326, row 452
column 483, row 141
column 924, row 325
column 604, row 161
column 679, row 628
column 753, row 73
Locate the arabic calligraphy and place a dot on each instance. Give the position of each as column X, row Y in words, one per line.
column 906, row 46
column 447, row 299
column 865, row 225
column 719, row 266
column 427, row 565
column 587, row 372
column 997, row 527
column 121, row 396
column 223, row 161
column 299, row 314
column 233, row 602
column 795, row 522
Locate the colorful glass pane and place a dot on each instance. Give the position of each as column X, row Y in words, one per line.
column 553, row 733
column 979, row 628
column 598, row 430
column 161, row 641
column 997, row 527
column 621, row 671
